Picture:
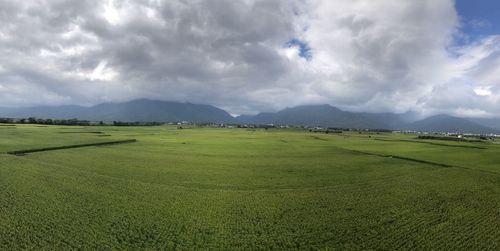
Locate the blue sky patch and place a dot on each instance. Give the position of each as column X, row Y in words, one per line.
column 304, row 49
column 479, row 18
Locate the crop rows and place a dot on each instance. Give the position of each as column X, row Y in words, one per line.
column 244, row 190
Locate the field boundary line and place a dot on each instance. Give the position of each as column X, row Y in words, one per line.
column 431, row 143
column 26, row 151
column 403, row 158
column 89, row 132
column 418, row 161
column 318, row 138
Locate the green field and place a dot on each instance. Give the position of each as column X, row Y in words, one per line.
column 207, row 188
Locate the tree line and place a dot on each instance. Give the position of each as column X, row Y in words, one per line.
column 72, row 122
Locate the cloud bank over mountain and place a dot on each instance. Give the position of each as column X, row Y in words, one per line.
column 249, row 56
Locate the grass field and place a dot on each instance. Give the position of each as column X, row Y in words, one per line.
column 245, row 189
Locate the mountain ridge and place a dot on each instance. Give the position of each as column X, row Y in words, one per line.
column 146, row 110
column 314, row 115
column 451, row 124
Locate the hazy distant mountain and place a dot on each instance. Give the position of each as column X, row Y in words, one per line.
column 160, row 111
column 137, row 110
column 145, row 110
column 58, row 112
column 445, row 123
column 328, row 116
column 392, row 120
column 315, row 115
column 488, row 122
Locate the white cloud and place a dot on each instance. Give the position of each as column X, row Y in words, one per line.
column 111, row 13
column 483, row 91
column 371, row 55
column 392, row 55
column 102, row 72
column 471, row 113
column 477, row 23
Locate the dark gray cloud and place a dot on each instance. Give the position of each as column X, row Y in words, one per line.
column 366, row 55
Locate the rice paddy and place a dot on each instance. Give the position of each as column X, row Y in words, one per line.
column 210, row 188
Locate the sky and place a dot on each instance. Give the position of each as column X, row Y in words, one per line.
column 479, row 18
column 249, row 56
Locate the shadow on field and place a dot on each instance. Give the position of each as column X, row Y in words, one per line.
column 24, row 152
column 319, row 138
column 431, row 143
column 403, row 158
column 94, row 132
column 437, row 164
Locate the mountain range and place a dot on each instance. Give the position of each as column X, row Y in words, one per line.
column 329, row 116
column 445, row 123
column 145, row 110
column 315, row 115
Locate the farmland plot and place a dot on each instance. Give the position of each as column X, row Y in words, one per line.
column 244, row 189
